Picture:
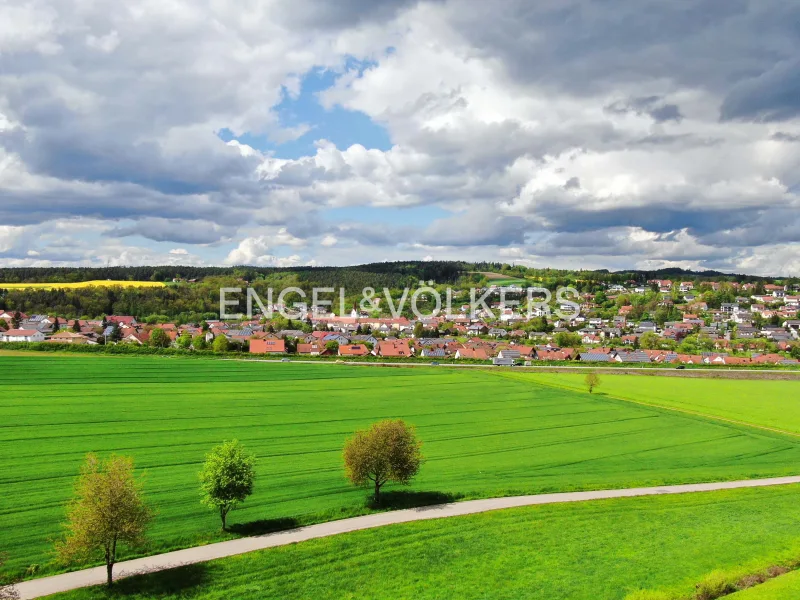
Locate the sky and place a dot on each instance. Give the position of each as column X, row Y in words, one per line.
column 555, row 133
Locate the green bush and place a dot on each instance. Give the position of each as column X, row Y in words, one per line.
column 717, row 584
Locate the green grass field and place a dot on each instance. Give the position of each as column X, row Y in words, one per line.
column 590, row 551
column 483, row 436
column 769, row 403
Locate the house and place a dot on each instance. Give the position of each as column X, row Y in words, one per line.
column 132, row 337
column 729, row 308
column 433, row 353
column 122, row 320
column 632, row 357
column 8, row 316
column 473, row 353
column 22, row 335
column 68, row 337
column 394, row 349
column 595, row 357
column 364, row 339
column 565, row 354
column 353, row 350
column 268, row 346
column 312, row 349
column 291, row 333
column 646, row 326
column 509, row 353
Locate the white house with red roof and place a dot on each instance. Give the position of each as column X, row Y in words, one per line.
column 22, row 335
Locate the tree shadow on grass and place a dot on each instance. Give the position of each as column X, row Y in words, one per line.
column 184, row 581
column 263, row 526
column 400, row 499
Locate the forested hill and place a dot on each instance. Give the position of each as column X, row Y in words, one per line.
column 192, row 293
column 390, row 274
column 384, row 274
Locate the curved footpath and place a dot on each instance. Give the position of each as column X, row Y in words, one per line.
column 45, row 586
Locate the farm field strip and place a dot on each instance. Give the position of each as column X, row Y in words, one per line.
column 597, row 550
column 765, row 403
column 81, row 284
column 483, row 436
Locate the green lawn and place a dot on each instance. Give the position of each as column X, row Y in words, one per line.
column 589, row 551
column 771, row 403
column 785, row 587
column 483, row 436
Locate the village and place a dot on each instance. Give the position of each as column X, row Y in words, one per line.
column 761, row 327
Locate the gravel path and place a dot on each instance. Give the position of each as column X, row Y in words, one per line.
column 68, row 581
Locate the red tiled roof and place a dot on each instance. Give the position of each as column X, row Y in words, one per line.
column 267, row 346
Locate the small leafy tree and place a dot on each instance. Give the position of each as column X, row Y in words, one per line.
column 76, row 326
column 387, row 451
column 592, row 380
column 159, row 339
column 184, row 340
column 227, row 477
column 3, row 324
column 332, row 347
column 108, row 510
column 220, row 344
column 199, row 342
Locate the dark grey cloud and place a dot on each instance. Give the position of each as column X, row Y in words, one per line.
column 340, row 14
column 781, row 136
column 771, row 96
column 589, row 47
column 175, row 230
column 655, row 106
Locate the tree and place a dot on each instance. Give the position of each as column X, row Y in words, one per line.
column 108, row 510
column 650, row 341
column 220, row 344
column 387, row 451
column 16, row 319
column 76, row 326
column 419, row 330
column 199, row 342
column 795, row 351
column 566, row 339
column 184, row 340
column 592, row 380
column 159, row 339
column 227, row 477
column 3, row 324
column 332, row 347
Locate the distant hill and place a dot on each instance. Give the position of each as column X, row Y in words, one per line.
column 391, row 274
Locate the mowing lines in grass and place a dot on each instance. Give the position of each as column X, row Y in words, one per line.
column 482, row 436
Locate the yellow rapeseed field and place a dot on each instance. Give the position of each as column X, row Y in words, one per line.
column 81, row 284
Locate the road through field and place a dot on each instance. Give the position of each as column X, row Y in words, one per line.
column 46, row 586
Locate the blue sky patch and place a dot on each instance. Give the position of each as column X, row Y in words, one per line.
column 341, row 126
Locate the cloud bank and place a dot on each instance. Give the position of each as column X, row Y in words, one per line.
column 557, row 133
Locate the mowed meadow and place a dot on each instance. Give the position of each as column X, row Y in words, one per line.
column 483, row 435
column 763, row 402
